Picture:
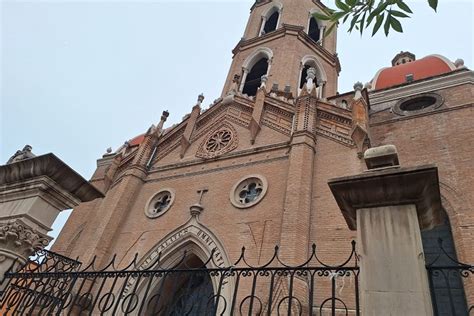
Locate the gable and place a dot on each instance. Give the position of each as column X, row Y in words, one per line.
column 229, row 121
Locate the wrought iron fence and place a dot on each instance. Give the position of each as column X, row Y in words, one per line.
column 445, row 276
column 185, row 286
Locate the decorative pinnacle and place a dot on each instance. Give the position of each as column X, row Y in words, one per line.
column 109, row 150
column 311, row 73
column 459, row 63
column 263, row 81
column 200, row 98
column 358, row 86
column 165, row 115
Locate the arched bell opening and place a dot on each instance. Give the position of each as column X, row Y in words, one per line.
column 185, row 289
column 304, row 74
column 313, row 30
column 254, row 77
column 271, row 23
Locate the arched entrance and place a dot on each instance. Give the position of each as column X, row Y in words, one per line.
column 184, row 291
column 446, row 286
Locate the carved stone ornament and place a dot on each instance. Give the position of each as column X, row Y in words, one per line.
column 21, row 239
column 219, row 141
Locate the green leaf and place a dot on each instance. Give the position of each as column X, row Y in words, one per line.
column 351, row 3
column 396, row 24
column 336, row 16
column 386, row 26
column 361, row 23
column 330, row 29
column 399, row 14
column 402, row 5
column 433, row 4
column 378, row 23
column 320, row 16
column 353, row 22
column 341, row 5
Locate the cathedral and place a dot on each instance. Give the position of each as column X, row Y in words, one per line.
column 272, row 163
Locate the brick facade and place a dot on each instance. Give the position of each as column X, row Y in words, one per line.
column 296, row 143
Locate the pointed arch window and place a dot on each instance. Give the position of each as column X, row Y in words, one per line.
column 444, row 285
column 185, row 292
column 254, row 77
column 313, row 30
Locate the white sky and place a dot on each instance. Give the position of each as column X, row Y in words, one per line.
column 80, row 76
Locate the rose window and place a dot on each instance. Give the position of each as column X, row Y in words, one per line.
column 248, row 191
column 219, row 140
column 160, row 203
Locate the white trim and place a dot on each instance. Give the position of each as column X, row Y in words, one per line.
column 252, row 59
column 276, row 7
column 452, row 80
column 313, row 61
column 194, row 238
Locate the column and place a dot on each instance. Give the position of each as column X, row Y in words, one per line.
column 388, row 205
column 33, row 191
column 244, row 77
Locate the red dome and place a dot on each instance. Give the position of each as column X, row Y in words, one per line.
column 426, row 67
column 137, row 140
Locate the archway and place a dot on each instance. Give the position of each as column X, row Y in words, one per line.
column 186, row 290
column 446, row 288
column 254, row 77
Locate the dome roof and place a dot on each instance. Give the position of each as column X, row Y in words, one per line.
column 136, row 140
column 401, row 73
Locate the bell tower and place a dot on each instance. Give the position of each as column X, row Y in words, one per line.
column 282, row 41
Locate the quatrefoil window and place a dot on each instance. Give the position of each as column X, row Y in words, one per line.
column 160, row 203
column 248, row 191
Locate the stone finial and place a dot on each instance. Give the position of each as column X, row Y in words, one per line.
column 200, row 99
column 358, row 89
column 381, row 157
column 311, row 74
column 263, row 80
column 108, row 150
column 459, row 63
column 23, row 154
column 165, row 115
column 196, row 210
column 358, row 86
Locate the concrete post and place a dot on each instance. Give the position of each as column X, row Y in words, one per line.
column 388, row 205
column 33, row 190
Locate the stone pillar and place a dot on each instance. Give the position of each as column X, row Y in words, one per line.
column 388, row 205
column 244, row 77
column 33, row 190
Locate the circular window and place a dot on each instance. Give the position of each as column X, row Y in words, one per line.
column 418, row 104
column 160, row 203
column 219, row 141
column 248, row 191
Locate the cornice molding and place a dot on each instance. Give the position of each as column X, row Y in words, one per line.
column 55, row 169
column 287, row 29
column 453, row 79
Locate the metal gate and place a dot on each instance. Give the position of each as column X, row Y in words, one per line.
column 55, row 285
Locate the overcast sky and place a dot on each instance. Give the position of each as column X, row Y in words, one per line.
column 80, row 76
